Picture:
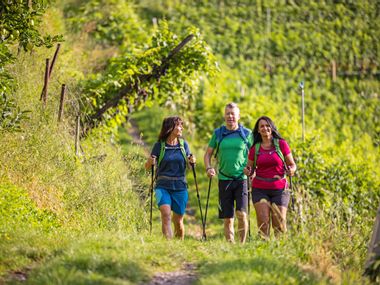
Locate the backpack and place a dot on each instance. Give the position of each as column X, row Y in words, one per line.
column 278, row 151
column 223, row 132
column 163, row 147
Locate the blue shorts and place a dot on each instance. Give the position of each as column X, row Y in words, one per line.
column 176, row 199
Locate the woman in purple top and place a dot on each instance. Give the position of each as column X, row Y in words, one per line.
column 269, row 159
column 170, row 154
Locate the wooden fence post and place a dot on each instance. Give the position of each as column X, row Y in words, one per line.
column 44, row 89
column 46, row 82
column 61, row 102
column 54, row 59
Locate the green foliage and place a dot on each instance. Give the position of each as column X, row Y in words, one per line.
column 10, row 115
column 136, row 75
column 17, row 209
column 349, row 184
column 19, row 23
column 267, row 47
column 110, row 23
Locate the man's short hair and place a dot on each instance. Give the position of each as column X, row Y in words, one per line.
column 232, row 105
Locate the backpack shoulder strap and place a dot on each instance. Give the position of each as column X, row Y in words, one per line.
column 257, row 149
column 244, row 133
column 162, row 153
column 219, row 133
column 162, row 150
column 182, row 146
column 278, row 149
column 219, row 137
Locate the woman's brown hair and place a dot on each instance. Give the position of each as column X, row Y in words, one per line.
column 168, row 126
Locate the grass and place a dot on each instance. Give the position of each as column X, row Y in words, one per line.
column 121, row 258
column 84, row 220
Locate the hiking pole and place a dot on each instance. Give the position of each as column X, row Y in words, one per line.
column 291, row 188
column 249, row 208
column 291, row 193
column 151, row 200
column 199, row 199
column 208, row 198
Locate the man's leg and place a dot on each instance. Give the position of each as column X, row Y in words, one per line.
column 242, row 225
column 229, row 229
column 241, row 197
column 226, row 208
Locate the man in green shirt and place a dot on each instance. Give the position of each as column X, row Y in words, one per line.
column 231, row 144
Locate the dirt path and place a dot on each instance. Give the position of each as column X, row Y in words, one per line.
column 185, row 276
column 134, row 132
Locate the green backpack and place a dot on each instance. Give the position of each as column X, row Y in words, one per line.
column 163, row 147
column 278, row 151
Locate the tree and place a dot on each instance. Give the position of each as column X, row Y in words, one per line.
column 19, row 21
column 165, row 72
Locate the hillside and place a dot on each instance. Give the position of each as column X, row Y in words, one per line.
column 75, row 205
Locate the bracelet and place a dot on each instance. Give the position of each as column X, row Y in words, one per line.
column 208, row 168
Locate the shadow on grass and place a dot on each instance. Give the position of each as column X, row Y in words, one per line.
column 88, row 270
column 257, row 270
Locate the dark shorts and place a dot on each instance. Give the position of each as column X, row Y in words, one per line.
column 229, row 192
column 279, row 197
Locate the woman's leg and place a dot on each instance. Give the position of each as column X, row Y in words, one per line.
column 179, row 228
column 179, row 200
column 279, row 206
column 279, row 218
column 166, row 221
column 262, row 215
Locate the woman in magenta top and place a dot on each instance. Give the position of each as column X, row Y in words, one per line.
column 269, row 160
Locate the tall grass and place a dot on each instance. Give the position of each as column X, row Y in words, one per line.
column 48, row 194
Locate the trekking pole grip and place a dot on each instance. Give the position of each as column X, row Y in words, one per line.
column 192, row 166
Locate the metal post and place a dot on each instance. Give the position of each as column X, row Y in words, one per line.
column 303, row 110
column 60, row 112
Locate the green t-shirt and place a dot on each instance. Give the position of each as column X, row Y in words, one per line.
column 232, row 154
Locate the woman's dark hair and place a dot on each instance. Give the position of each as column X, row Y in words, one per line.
column 255, row 132
column 168, row 125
